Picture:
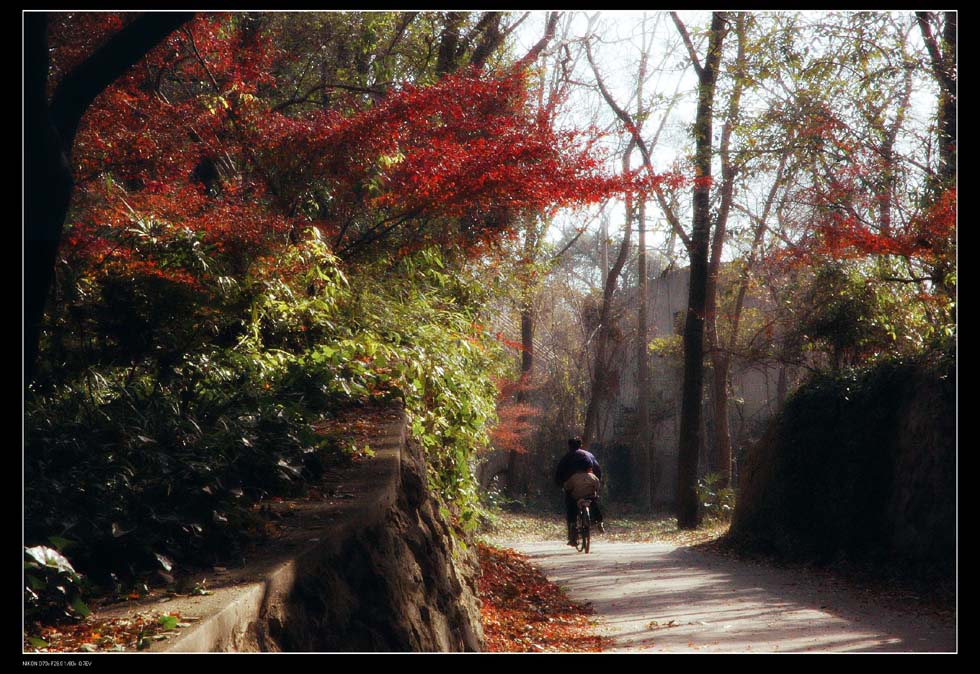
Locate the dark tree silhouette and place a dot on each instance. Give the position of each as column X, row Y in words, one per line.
column 50, row 126
column 689, row 442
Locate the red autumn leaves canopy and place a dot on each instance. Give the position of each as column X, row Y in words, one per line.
column 191, row 137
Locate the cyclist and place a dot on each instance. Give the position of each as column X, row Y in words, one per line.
column 579, row 472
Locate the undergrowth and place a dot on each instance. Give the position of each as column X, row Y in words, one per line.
column 158, row 423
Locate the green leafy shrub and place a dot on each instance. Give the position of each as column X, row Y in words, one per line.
column 717, row 503
column 850, row 316
column 141, row 458
column 416, row 341
column 53, row 588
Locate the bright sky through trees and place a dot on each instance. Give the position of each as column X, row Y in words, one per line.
column 617, row 38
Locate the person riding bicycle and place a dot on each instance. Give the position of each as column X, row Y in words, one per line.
column 579, row 472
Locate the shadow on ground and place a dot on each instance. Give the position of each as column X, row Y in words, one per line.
column 659, row 597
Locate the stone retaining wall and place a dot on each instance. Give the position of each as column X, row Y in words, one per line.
column 383, row 573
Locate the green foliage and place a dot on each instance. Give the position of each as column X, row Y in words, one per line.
column 717, row 502
column 168, row 622
column 147, row 317
column 841, row 313
column 419, row 336
column 848, row 313
column 494, row 499
column 159, row 451
column 52, row 586
column 151, row 456
column 670, row 346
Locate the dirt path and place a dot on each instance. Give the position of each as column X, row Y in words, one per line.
column 658, row 597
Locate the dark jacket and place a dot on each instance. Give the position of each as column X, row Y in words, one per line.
column 576, row 461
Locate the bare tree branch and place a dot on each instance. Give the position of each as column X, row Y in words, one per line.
column 511, row 28
column 306, row 97
column 692, row 52
column 399, row 32
column 631, row 126
column 540, row 45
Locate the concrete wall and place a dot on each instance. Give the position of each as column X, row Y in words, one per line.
column 755, row 389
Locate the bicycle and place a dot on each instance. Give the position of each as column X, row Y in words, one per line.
column 583, row 523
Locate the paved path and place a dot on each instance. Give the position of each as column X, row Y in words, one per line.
column 656, row 597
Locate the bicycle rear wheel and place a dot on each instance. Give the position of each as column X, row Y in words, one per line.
column 584, row 529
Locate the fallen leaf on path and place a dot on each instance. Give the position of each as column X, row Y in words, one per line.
column 655, row 625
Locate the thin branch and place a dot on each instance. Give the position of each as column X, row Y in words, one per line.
column 692, row 52
column 197, row 54
column 578, row 235
column 402, row 27
column 916, row 279
column 549, row 33
column 380, row 230
column 302, row 75
column 631, row 126
column 305, row 98
column 510, row 29
column 581, row 231
column 777, row 233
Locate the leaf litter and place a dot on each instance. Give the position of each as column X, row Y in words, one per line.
column 94, row 634
column 524, row 612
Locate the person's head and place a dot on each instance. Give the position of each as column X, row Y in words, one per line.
column 574, row 443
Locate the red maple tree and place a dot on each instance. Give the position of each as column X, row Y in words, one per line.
column 192, row 137
column 856, row 203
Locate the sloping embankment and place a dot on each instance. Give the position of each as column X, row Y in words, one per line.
column 861, row 468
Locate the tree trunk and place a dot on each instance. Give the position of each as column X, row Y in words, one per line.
column 490, row 38
column 948, row 99
column 689, row 442
column 47, row 186
column 720, row 361
column 721, row 372
column 49, row 135
column 448, row 55
column 782, row 386
column 600, row 370
column 532, row 240
column 642, row 488
column 515, row 472
column 943, row 57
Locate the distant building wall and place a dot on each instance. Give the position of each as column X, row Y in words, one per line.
column 755, row 393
